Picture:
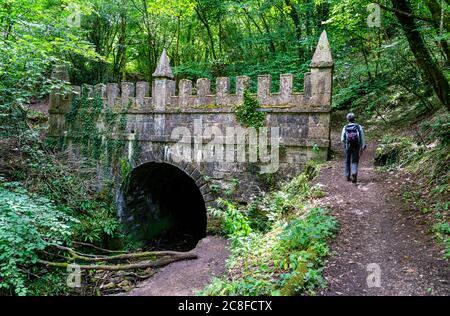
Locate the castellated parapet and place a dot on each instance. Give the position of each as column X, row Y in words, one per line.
column 162, row 93
column 155, row 109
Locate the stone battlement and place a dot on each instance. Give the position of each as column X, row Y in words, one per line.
column 162, row 93
column 155, row 113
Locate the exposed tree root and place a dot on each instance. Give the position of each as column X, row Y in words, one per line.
column 140, row 265
column 165, row 257
column 78, row 243
column 126, row 256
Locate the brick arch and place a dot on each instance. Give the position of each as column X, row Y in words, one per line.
column 148, row 202
column 188, row 168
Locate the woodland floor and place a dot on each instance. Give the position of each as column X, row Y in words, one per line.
column 187, row 277
column 377, row 227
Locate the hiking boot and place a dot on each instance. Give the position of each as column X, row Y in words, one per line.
column 354, row 178
column 348, row 178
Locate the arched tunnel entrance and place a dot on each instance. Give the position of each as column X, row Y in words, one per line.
column 163, row 207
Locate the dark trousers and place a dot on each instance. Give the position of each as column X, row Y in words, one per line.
column 351, row 160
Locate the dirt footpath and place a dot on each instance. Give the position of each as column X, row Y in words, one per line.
column 187, row 277
column 378, row 228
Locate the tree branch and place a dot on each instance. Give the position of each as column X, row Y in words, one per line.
column 126, row 256
column 141, row 265
column 394, row 10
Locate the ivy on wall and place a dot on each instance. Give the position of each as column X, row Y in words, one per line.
column 247, row 113
column 95, row 132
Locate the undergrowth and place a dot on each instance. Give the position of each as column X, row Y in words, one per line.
column 426, row 157
column 49, row 196
column 28, row 224
column 278, row 241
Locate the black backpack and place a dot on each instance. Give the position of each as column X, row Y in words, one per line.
column 352, row 134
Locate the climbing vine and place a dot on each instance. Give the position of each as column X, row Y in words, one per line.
column 247, row 113
column 93, row 139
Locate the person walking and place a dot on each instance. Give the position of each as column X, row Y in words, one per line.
column 354, row 144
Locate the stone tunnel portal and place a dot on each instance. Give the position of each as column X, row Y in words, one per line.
column 164, row 207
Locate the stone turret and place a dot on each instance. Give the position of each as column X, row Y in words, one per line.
column 321, row 75
column 60, row 101
column 322, row 56
column 163, row 83
column 163, row 69
column 203, row 115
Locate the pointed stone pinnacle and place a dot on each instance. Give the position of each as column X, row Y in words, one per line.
column 163, row 69
column 322, row 56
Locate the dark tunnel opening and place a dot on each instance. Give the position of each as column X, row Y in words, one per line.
column 164, row 208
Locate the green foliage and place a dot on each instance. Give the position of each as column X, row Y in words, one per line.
column 279, row 242
column 35, row 37
column 51, row 283
column 302, row 234
column 428, row 164
column 368, row 78
column 435, row 204
column 440, row 128
column 267, row 181
column 98, row 223
column 247, row 286
column 76, row 209
column 395, row 151
column 83, row 118
column 247, row 113
column 235, row 224
column 264, row 211
column 272, row 264
column 28, row 225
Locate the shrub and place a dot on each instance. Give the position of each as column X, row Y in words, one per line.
column 28, row 225
column 275, row 255
column 235, row 223
column 394, row 151
column 440, row 128
column 304, row 233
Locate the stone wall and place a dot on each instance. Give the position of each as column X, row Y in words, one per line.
column 155, row 110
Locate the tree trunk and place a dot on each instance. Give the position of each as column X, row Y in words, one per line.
column 295, row 16
column 120, row 56
column 204, row 20
column 440, row 23
column 268, row 33
column 431, row 73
